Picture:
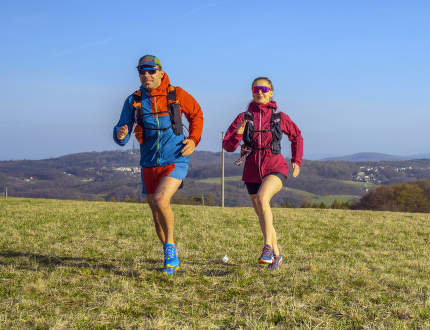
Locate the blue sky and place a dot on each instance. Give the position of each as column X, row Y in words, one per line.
column 354, row 76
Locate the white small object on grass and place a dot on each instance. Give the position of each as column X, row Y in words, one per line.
column 225, row 259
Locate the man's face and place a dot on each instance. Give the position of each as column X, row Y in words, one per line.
column 150, row 77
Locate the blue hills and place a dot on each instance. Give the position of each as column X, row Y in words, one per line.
column 375, row 157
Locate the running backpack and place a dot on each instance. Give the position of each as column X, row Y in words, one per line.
column 172, row 109
column 275, row 128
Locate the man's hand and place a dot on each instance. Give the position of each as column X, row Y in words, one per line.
column 189, row 147
column 296, row 170
column 122, row 132
column 241, row 128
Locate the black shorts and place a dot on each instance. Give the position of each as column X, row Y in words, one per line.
column 254, row 186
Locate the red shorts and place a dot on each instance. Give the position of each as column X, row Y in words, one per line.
column 151, row 176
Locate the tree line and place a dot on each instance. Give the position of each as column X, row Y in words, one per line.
column 410, row 197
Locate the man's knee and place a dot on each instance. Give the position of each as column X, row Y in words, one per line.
column 161, row 201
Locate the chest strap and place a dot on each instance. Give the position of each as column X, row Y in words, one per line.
column 173, row 110
column 275, row 128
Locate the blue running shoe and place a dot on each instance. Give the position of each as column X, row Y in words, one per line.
column 277, row 262
column 267, row 255
column 171, row 260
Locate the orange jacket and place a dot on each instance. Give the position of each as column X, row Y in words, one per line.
column 188, row 105
column 159, row 145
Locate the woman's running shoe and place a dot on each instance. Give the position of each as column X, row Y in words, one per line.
column 277, row 262
column 267, row 255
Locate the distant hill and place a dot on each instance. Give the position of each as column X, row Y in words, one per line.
column 374, row 157
column 421, row 156
column 318, row 156
column 115, row 175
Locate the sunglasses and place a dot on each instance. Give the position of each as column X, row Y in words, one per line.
column 143, row 70
column 257, row 89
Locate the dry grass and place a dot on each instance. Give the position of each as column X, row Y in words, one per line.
column 71, row 264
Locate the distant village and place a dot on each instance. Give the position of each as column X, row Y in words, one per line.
column 370, row 174
column 131, row 170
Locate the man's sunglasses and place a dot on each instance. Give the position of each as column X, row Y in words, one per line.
column 143, row 70
column 257, row 89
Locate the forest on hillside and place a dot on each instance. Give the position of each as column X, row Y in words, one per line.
column 114, row 175
column 411, row 197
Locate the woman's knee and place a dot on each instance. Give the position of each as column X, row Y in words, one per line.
column 262, row 201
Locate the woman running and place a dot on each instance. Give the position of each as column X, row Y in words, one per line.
column 265, row 171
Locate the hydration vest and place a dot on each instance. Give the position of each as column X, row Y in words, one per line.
column 275, row 128
column 172, row 109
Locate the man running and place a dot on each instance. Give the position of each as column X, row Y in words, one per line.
column 156, row 110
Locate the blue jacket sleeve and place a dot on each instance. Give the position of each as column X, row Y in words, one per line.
column 126, row 118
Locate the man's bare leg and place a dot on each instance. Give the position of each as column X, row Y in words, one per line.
column 156, row 218
column 160, row 204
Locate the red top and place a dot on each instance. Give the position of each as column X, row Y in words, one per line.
column 262, row 162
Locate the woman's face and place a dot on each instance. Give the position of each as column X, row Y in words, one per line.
column 259, row 96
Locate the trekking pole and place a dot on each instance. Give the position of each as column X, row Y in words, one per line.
column 222, row 171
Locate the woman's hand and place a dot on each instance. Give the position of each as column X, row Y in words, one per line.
column 296, row 170
column 122, row 132
column 241, row 128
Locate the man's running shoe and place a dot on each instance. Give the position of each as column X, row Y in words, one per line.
column 267, row 255
column 171, row 260
column 277, row 262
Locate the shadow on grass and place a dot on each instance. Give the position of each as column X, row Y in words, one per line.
column 73, row 262
column 217, row 272
column 220, row 269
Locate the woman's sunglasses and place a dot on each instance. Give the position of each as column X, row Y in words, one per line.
column 257, row 89
column 143, row 70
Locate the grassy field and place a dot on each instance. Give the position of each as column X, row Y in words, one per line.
column 326, row 199
column 368, row 185
column 73, row 264
column 313, row 198
column 218, row 180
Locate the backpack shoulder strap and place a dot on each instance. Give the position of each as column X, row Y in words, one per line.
column 174, row 110
column 276, row 116
column 248, row 133
column 137, row 99
column 275, row 127
column 171, row 94
column 249, row 117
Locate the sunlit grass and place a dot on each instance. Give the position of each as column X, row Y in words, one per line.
column 218, row 179
column 66, row 264
column 313, row 198
column 368, row 185
column 326, row 199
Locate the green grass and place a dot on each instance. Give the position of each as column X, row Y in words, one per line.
column 218, row 179
column 77, row 264
column 361, row 184
column 326, row 199
column 314, row 198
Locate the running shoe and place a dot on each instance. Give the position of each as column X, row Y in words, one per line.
column 267, row 255
column 171, row 260
column 277, row 262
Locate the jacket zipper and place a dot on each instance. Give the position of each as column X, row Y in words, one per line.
column 259, row 150
column 159, row 132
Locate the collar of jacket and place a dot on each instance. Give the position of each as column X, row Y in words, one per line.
column 160, row 90
column 257, row 107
